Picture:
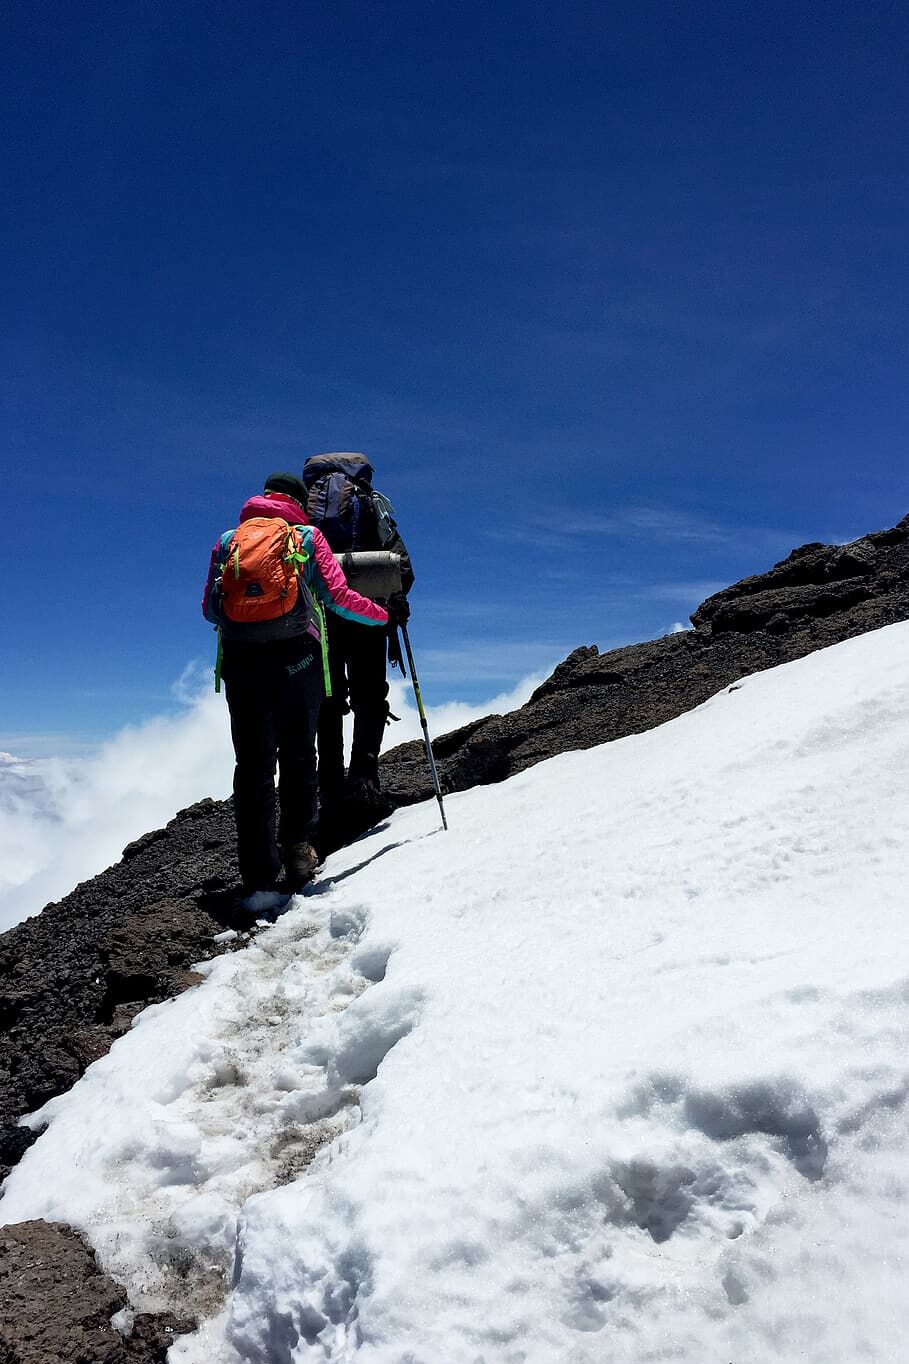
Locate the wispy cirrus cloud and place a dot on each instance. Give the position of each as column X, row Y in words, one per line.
column 563, row 527
column 663, row 523
column 48, row 743
column 681, row 592
column 491, row 661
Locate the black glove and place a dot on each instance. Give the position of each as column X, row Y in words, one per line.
column 395, row 657
column 398, row 609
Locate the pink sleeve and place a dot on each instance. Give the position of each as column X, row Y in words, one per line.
column 337, row 595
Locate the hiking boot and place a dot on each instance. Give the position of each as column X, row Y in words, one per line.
column 365, row 795
column 363, row 767
column 360, row 790
column 300, row 862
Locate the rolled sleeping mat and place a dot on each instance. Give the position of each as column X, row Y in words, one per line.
column 372, row 572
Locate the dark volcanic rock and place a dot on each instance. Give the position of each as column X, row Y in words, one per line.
column 72, row 978
column 819, row 595
column 56, row 1305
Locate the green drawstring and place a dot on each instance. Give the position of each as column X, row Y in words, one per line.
column 323, row 634
column 296, row 554
column 218, row 659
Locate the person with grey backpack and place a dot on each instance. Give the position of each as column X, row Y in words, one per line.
column 353, row 516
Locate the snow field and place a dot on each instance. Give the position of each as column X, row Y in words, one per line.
column 615, row 1069
column 211, row 1098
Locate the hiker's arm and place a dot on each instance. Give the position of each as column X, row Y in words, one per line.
column 330, row 586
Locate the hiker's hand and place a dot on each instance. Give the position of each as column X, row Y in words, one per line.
column 398, row 609
column 395, row 656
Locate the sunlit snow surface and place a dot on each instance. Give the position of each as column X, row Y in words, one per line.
column 615, row 1070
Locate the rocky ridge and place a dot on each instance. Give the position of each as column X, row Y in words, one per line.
column 73, row 977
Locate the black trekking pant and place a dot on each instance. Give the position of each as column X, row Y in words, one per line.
column 356, row 656
column 273, row 694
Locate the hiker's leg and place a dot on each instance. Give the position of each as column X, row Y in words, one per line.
column 368, row 692
column 254, row 732
column 299, row 694
column 331, row 718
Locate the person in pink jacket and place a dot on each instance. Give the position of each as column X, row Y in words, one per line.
column 274, row 691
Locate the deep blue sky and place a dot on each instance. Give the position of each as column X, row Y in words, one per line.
column 616, row 300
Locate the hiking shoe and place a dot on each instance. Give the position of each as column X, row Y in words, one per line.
column 300, row 862
column 359, row 790
column 364, row 791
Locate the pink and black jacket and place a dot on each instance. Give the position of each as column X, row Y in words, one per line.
column 326, row 583
column 323, row 577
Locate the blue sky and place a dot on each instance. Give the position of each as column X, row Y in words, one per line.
column 615, row 300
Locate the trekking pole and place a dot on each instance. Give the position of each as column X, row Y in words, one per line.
column 426, row 739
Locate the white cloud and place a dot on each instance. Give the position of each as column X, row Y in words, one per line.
column 88, row 808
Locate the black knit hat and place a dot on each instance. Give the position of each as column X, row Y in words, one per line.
column 287, row 483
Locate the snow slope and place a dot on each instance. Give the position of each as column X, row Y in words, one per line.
column 616, row 1069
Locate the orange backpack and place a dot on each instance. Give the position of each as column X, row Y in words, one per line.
column 261, row 594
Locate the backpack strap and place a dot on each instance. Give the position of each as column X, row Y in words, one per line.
column 384, row 512
column 302, row 557
column 323, row 631
column 296, row 553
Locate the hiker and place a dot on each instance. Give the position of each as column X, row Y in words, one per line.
column 267, row 584
column 353, row 516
